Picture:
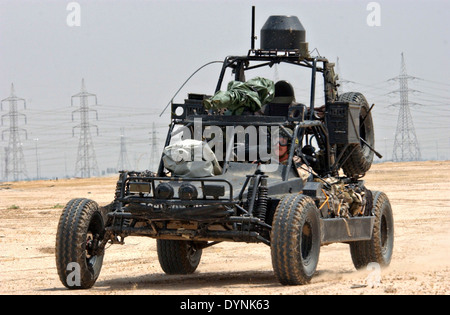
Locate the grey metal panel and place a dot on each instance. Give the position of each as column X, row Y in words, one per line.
column 339, row 230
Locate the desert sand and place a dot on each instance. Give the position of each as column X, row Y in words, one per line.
column 419, row 193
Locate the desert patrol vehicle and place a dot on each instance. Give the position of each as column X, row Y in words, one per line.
column 242, row 191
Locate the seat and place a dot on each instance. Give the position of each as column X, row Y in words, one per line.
column 284, row 97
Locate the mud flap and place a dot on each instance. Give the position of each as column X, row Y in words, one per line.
column 340, row 230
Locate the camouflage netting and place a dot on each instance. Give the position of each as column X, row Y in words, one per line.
column 242, row 97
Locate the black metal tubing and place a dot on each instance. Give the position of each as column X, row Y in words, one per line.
column 313, row 90
column 176, row 202
column 321, row 134
column 220, row 120
column 251, row 206
column 285, row 176
column 322, row 140
column 253, row 28
column 152, row 180
column 168, row 138
column 240, row 234
column 247, row 180
column 316, row 127
column 337, row 164
column 232, row 62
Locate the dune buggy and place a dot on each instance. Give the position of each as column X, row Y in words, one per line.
column 316, row 197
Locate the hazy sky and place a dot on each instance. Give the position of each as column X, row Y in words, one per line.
column 135, row 54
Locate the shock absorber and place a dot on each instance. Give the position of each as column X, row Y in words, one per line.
column 263, row 193
column 250, row 190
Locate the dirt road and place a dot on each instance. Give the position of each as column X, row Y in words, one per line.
column 419, row 193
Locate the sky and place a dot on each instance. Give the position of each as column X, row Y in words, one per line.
column 134, row 55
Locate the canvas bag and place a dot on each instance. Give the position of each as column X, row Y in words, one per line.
column 191, row 158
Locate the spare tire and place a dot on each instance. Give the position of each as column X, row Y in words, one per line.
column 360, row 156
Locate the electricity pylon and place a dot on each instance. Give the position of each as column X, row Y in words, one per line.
column 86, row 165
column 406, row 145
column 14, row 158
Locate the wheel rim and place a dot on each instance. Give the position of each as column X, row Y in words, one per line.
column 385, row 235
column 193, row 253
column 306, row 242
column 93, row 239
column 91, row 242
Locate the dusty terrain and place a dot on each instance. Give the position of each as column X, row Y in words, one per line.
column 419, row 193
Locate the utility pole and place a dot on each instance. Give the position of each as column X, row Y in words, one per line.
column 123, row 163
column 38, row 172
column 14, row 159
column 86, row 165
column 406, row 146
column 154, row 148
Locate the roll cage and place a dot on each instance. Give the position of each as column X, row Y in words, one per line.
column 300, row 119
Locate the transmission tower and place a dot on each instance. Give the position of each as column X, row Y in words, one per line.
column 86, row 165
column 406, row 146
column 123, row 163
column 14, row 158
column 154, row 148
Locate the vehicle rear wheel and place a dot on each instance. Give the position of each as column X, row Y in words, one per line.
column 380, row 248
column 81, row 229
column 295, row 240
column 178, row 257
column 361, row 156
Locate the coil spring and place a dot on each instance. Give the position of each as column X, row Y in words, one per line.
column 118, row 189
column 263, row 193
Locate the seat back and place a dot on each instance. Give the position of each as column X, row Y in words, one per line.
column 284, row 97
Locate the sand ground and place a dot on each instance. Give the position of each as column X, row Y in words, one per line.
column 419, row 193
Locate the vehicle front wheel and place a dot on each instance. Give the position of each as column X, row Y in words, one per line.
column 81, row 229
column 295, row 240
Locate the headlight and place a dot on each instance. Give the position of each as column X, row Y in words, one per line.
column 164, row 191
column 187, row 192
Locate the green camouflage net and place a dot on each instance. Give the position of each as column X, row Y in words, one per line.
column 242, row 97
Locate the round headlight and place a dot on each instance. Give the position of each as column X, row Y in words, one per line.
column 164, row 191
column 187, row 192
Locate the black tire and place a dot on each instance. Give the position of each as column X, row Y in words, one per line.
column 380, row 248
column 81, row 226
column 178, row 257
column 361, row 157
column 295, row 240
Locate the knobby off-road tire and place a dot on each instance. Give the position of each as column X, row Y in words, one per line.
column 379, row 249
column 178, row 257
column 295, row 240
column 361, row 156
column 80, row 226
